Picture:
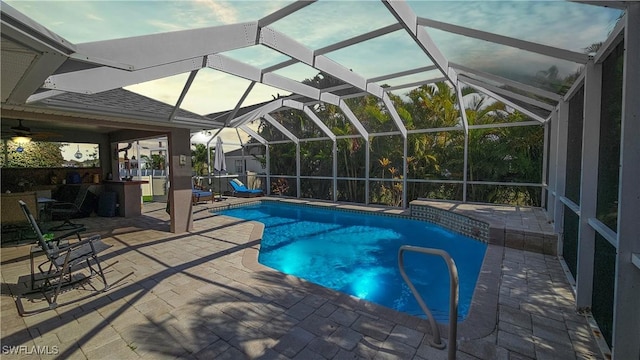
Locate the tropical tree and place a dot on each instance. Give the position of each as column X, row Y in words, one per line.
column 154, row 162
column 434, row 155
column 506, row 154
column 200, row 159
column 509, row 154
column 593, row 48
column 34, row 154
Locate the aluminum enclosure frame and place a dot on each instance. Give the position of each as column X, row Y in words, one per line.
column 113, row 64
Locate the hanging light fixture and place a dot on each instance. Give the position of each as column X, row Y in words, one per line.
column 21, row 139
column 78, row 154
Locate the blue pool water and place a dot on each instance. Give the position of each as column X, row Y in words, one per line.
column 357, row 254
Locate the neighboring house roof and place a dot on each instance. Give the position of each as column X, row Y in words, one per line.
column 223, row 115
column 122, row 102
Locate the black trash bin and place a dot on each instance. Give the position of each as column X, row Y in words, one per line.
column 107, row 204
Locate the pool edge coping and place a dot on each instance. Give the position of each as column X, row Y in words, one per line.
column 481, row 319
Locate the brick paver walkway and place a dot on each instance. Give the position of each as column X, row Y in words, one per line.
column 202, row 295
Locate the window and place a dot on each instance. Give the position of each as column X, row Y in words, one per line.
column 239, row 167
column 45, row 154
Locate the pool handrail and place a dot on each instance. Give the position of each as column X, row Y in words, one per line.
column 453, row 297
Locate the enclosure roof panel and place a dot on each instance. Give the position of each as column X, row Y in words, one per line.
column 567, row 25
column 105, row 20
column 219, row 56
column 326, row 22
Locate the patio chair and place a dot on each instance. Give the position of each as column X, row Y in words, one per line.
column 198, row 194
column 240, row 190
column 67, row 209
column 64, row 262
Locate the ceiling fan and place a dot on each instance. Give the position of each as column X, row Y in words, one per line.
column 21, row 133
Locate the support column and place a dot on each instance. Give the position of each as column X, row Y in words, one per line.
column 553, row 155
column 367, row 166
column 404, row 174
column 114, row 163
column 298, row 170
column 465, row 124
column 180, row 180
column 589, row 183
column 626, row 317
column 561, row 166
column 335, row 170
column 545, row 165
column 268, row 168
column 465, row 163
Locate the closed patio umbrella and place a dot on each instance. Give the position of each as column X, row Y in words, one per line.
column 219, row 163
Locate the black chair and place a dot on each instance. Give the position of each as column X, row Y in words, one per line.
column 67, row 209
column 64, row 263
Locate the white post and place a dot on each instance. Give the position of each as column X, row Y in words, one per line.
column 465, row 125
column 335, row 170
column 589, row 183
column 405, row 190
column 367, row 166
column 626, row 317
column 553, row 157
column 298, row 170
column 268, row 168
column 561, row 165
column 545, row 162
column 465, row 163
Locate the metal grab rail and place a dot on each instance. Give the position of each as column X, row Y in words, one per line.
column 453, row 298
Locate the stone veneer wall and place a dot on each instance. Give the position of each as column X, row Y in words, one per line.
column 464, row 225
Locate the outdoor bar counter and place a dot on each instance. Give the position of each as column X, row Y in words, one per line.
column 129, row 195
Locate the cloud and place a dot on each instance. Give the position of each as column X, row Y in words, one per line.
column 562, row 24
column 223, row 10
column 373, row 57
column 94, row 17
column 325, row 22
column 211, row 91
column 165, row 26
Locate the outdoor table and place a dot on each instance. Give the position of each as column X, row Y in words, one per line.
column 43, row 204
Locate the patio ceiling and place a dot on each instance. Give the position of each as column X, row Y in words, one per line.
column 274, row 54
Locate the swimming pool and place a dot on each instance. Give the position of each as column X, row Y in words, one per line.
column 357, row 254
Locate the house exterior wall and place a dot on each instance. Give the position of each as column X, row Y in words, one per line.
column 251, row 164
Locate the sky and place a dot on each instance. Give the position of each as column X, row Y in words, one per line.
column 562, row 24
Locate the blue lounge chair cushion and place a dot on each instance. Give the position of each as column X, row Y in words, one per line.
column 200, row 195
column 239, row 187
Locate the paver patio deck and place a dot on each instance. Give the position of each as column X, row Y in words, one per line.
column 202, row 295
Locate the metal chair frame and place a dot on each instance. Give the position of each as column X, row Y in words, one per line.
column 63, row 261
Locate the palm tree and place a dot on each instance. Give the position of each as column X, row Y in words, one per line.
column 199, row 159
column 593, row 48
column 155, row 161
